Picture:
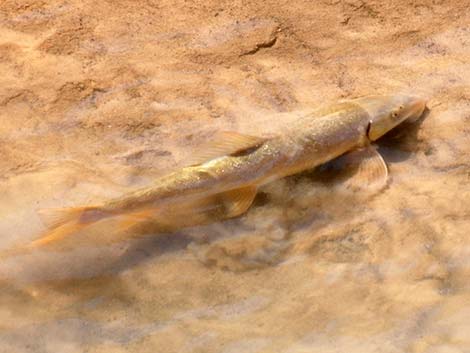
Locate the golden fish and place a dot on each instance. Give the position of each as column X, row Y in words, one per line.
column 226, row 177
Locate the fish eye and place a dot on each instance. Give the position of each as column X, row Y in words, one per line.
column 394, row 114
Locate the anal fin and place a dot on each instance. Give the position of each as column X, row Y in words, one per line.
column 214, row 207
column 194, row 211
column 129, row 220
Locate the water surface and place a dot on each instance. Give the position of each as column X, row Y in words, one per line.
column 97, row 99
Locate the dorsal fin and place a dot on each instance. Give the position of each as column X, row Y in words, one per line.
column 225, row 143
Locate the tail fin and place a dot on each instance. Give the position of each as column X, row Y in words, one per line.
column 63, row 222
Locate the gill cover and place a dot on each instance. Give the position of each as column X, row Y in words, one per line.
column 386, row 112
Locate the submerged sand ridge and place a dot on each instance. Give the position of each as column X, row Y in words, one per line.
column 98, row 98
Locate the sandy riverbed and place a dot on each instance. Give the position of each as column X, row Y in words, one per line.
column 97, row 97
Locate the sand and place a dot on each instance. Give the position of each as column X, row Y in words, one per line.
column 99, row 97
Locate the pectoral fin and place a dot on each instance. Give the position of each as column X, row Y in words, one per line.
column 370, row 169
column 225, row 143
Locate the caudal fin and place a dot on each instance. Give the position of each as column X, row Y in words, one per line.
column 63, row 222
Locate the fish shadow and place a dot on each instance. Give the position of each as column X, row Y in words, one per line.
column 148, row 247
column 302, row 202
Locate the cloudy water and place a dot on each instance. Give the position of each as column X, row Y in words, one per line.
column 97, row 99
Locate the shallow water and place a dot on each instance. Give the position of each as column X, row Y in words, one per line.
column 92, row 109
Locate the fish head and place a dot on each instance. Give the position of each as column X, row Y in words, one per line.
column 386, row 112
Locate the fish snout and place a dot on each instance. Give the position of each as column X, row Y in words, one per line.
column 414, row 108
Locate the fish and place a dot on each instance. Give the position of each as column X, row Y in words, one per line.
column 225, row 176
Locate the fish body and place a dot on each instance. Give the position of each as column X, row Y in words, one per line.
column 313, row 140
column 236, row 165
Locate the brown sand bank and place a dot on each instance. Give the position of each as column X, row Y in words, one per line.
column 100, row 96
